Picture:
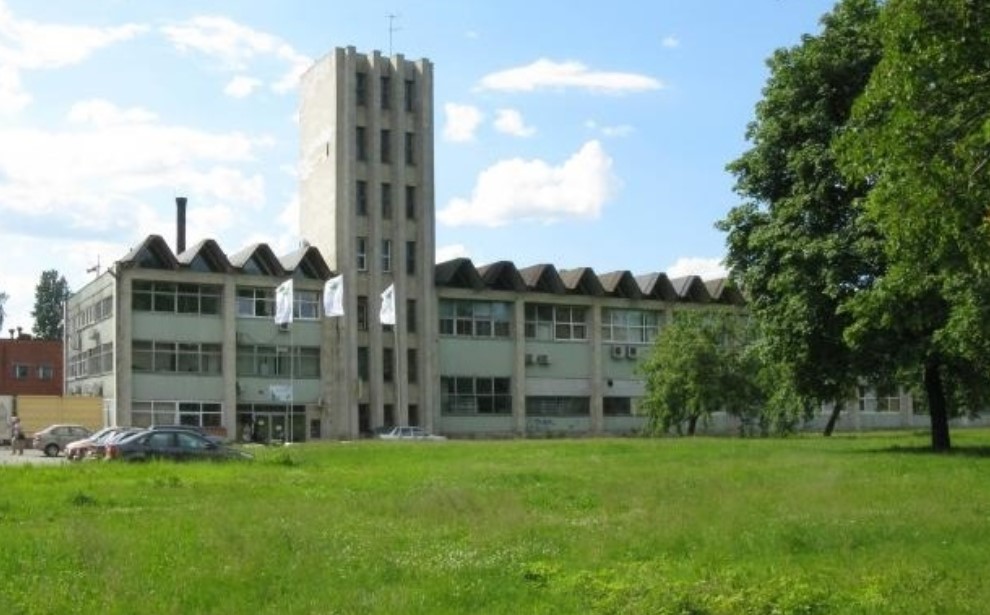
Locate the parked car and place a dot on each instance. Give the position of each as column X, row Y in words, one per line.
column 176, row 444
column 54, row 438
column 77, row 449
column 193, row 428
column 95, row 445
column 409, row 433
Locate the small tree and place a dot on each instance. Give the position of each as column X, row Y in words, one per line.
column 701, row 363
column 3, row 312
column 49, row 298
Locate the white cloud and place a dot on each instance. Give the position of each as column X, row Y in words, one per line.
column 516, row 189
column 620, row 130
column 670, row 42
column 101, row 113
column 28, row 45
column 707, row 268
column 548, row 74
column 237, row 47
column 448, row 253
column 241, row 86
column 94, row 176
column 511, row 122
column 461, row 122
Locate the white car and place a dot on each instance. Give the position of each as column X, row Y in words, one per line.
column 409, row 433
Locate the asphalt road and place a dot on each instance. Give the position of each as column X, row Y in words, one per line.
column 30, row 456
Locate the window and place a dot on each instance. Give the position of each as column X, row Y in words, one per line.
column 256, row 302
column 386, row 201
column 475, row 318
column 46, row 372
column 362, row 363
column 305, row 304
column 883, row 399
column 410, row 149
column 411, row 258
column 410, row 202
column 411, row 315
column 388, row 364
column 361, row 143
column 361, row 256
column 174, row 357
column 631, row 326
column 362, row 313
column 386, row 83
column 193, row 413
column 386, row 255
column 168, row 297
column 410, row 91
column 558, row 406
column 278, row 361
column 617, row 406
column 555, row 322
column 361, row 89
column 386, row 146
column 21, row 371
column 461, row 395
column 361, row 198
column 412, row 365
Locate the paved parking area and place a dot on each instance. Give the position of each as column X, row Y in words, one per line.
column 30, row 456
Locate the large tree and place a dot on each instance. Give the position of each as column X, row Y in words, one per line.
column 50, row 296
column 921, row 132
column 799, row 246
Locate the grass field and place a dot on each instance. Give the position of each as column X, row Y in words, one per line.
column 851, row 524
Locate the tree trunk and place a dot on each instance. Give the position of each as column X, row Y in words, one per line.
column 692, row 424
column 937, row 409
column 832, row 420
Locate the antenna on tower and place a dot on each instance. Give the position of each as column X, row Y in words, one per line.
column 392, row 29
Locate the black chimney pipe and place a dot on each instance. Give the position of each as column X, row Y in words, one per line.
column 180, row 224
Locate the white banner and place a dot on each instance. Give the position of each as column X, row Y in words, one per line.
column 387, row 314
column 333, row 297
column 283, row 303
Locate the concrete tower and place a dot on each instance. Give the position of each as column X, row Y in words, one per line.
column 366, row 201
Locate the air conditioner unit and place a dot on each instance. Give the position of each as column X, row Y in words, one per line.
column 618, row 352
column 543, row 359
column 632, row 352
column 530, row 359
column 94, row 335
column 284, row 326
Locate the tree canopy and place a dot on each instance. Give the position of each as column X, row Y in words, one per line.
column 863, row 241
column 921, row 133
column 50, row 296
column 799, row 245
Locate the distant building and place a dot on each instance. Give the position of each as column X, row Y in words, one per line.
column 30, row 366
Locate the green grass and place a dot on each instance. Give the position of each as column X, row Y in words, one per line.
column 864, row 524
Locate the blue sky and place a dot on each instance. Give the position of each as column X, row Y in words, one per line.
column 583, row 133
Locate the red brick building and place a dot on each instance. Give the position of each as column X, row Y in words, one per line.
column 30, row 367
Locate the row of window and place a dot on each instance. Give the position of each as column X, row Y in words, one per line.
column 385, row 253
column 384, row 146
column 385, row 197
column 206, row 359
column 91, row 313
column 384, row 91
column 388, row 364
column 362, row 314
column 468, row 395
column 463, row 318
column 23, row 371
column 264, row 361
column 193, row 413
column 91, row 362
column 545, row 322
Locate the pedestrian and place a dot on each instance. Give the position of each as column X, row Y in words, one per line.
column 16, row 437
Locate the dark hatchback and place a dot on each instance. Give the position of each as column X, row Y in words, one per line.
column 174, row 444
